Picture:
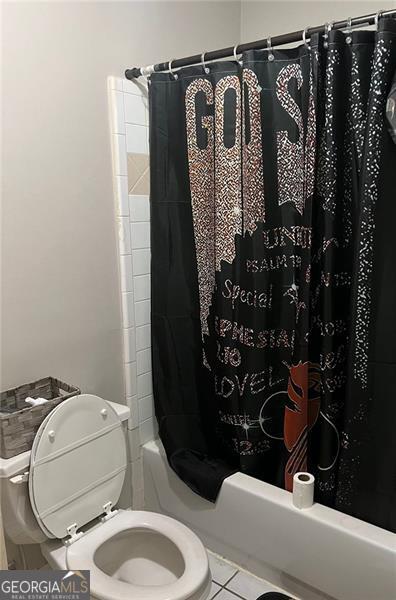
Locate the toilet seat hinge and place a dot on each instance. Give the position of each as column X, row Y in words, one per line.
column 108, row 513
column 21, row 478
column 74, row 534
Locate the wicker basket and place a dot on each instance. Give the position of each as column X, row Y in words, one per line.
column 19, row 422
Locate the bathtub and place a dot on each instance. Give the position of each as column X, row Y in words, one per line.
column 316, row 554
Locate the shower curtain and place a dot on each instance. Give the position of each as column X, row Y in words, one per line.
column 273, row 211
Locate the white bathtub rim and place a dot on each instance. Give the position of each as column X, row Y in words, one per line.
column 351, row 546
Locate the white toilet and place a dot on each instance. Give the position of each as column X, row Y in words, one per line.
column 66, row 500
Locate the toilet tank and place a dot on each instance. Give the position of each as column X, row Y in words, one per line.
column 20, row 524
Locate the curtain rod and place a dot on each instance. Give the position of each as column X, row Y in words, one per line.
column 279, row 40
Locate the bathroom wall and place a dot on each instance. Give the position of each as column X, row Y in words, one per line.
column 60, row 300
column 260, row 18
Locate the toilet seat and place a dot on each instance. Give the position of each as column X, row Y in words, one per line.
column 193, row 583
column 77, row 465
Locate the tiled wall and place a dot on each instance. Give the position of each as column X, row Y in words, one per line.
column 129, row 133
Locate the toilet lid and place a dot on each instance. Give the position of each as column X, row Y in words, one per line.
column 78, row 463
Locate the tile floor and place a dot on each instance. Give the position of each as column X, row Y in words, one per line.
column 229, row 582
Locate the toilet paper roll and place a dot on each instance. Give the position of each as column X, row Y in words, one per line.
column 303, row 490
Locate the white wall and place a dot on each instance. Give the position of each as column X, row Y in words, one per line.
column 59, row 276
column 260, row 18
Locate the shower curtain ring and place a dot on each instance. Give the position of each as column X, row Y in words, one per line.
column 377, row 18
column 349, row 31
column 304, row 37
column 269, row 48
column 235, row 53
column 174, row 75
column 328, row 28
column 205, row 68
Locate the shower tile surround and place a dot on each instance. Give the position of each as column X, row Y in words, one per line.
column 128, row 104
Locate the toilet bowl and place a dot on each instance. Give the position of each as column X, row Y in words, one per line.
column 77, row 469
column 138, row 555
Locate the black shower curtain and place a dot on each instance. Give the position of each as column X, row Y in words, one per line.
column 273, row 211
